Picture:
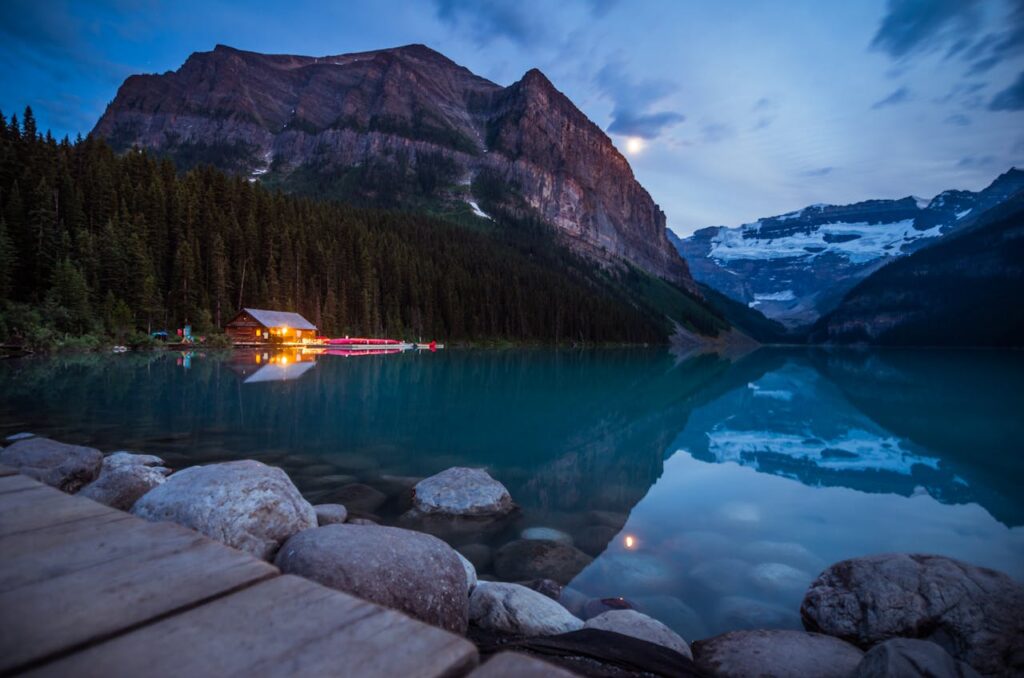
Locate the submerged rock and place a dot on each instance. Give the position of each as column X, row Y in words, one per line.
column 779, row 577
column 740, row 612
column 66, row 467
column 478, row 554
column 637, row 572
column 546, row 533
column 539, row 559
column 404, row 570
column 515, row 609
column 639, row 625
column 461, row 491
column 974, row 613
column 244, row 504
column 779, row 654
column 330, row 514
column 125, row 458
column 120, row 486
column 674, row 613
column 910, row 658
column 594, row 539
column 360, row 497
column 598, row 606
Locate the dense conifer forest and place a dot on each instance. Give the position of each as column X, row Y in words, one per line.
column 96, row 243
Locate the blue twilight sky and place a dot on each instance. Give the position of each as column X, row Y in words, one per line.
column 728, row 110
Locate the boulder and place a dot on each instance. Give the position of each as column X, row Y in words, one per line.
column 548, row 533
column 539, row 559
column 779, row 654
column 911, row 658
column 330, row 514
column 404, row 570
column 471, row 579
column 461, row 491
column 515, row 609
column 598, row 606
column 974, row 613
column 361, row 521
column 549, row 587
column 639, row 625
column 245, row 504
column 66, row 467
column 121, row 486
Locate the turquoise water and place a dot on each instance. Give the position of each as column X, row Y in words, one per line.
column 710, row 490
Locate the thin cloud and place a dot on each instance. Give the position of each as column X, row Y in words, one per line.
column 975, row 161
column 818, row 172
column 510, row 19
column 633, row 100
column 1011, row 98
column 958, row 119
column 899, row 96
column 911, row 26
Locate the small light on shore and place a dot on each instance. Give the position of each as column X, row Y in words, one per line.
column 630, row 542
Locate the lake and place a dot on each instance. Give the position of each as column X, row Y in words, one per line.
column 709, row 490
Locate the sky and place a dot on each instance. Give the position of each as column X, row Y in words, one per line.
column 728, row 111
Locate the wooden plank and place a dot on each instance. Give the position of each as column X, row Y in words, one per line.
column 16, row 482
column 64, row 612
column 54, row 551
column 287, row 626
column 43, row 506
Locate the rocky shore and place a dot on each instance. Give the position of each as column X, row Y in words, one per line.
column 880, row 615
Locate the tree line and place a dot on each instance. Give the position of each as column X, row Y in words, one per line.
column 92, row 241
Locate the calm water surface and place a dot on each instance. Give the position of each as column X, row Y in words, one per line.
column 710, row 491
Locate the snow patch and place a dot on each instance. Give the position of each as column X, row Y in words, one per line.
column 477, row 211
column 961, row 215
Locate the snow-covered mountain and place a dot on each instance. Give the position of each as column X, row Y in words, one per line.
column 797, row 266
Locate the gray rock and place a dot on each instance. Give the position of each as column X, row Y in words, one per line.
column 361, row 521
column 471, row 579
column 15, row 437
column 638, row 625
column 538, row 559
column 598, row 606
column 330, row 514
column 778, row 654
column 404, row 570
column 910, row 658
column 359, row 497
column 120, row 486
column 675, row 614
column 974, row 613
column 66, row 467
column 549, row 587
column 478, row 554
column 244, row 504
column 515, row 609
column 462, row 491
column 547, row 533
column 124, row 458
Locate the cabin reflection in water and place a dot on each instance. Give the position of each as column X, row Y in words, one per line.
column 261, row 366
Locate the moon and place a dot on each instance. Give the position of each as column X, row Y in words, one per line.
column 634, row 145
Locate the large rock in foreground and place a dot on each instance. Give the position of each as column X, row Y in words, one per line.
column 404, row 570
column 461, row 491
column 779, row 654
column 244, row 504
column 120, row 485
column 515, row 609
column 539, row 559
column 66, row 467
column 975, row 614
column 639, row 625
column 909, row 658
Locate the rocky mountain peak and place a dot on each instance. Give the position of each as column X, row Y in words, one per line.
column 295, row 120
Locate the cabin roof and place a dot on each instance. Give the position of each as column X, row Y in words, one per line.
column 279, row 319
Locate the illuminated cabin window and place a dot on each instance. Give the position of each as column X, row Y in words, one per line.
column 257, row 333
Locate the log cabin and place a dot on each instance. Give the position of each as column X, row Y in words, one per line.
column 257, row 325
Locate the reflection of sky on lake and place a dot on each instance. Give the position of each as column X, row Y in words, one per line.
column 739, row 547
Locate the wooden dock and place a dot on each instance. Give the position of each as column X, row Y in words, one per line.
column 87, row 590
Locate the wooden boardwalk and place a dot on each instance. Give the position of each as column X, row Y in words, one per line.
column 87, row 590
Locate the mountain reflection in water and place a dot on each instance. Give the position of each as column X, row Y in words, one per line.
column 710, row 491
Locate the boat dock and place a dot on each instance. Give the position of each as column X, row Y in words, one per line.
column 87, row 590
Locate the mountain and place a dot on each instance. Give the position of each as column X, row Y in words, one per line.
column 965, row 290
column 797, row 266
column 404, row 126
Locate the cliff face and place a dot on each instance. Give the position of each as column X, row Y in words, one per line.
column 404, row 109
